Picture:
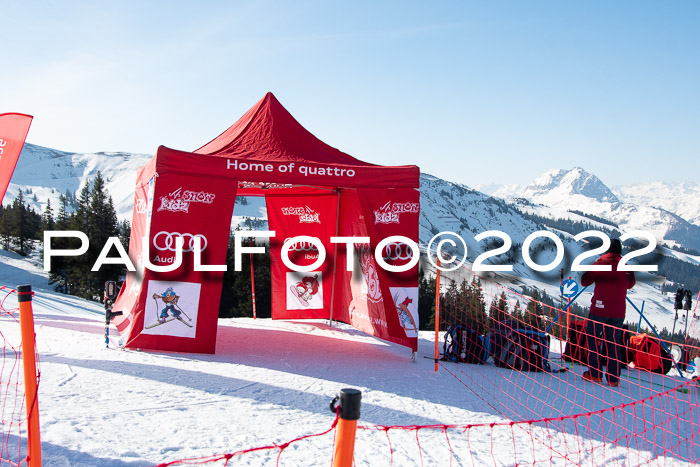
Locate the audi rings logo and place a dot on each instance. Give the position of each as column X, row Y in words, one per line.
column 301, row 246
column 165, row 241
column 397, row 251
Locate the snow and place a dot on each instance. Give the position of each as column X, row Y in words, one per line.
column 269, row 382
column 680, row 198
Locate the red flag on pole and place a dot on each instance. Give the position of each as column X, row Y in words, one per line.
column 13, row 131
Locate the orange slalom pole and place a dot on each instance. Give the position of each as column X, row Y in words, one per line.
column 437, row 315
column 349, row 403
column 26, row 321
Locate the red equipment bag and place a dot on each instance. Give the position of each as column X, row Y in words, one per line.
column 576, row 346
column 649, row 354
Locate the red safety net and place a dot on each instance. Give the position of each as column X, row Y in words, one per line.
column 525, row 370
column 12, row 405
column 605, row 436
column 265, row 455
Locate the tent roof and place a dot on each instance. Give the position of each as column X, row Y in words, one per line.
column 267, row 145
column 269, row 132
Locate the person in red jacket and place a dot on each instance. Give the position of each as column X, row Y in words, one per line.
column 607, row 313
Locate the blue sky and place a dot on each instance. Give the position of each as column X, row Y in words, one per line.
column 474, row 92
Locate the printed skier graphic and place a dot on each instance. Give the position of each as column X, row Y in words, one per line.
column 305, row 291
column 170, row 299
column 406, row 302
column 171, row 308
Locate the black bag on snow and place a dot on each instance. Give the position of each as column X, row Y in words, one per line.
column 520, row 347
column 464, row 345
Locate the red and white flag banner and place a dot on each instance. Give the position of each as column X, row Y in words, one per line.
column 13, row 131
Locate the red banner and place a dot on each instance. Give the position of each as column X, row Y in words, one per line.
column 378, row 302
column 13, row 131
column 178, row 310
column 394, row 213
column 301, row 294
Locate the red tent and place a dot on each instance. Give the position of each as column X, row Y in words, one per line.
column 311, row 189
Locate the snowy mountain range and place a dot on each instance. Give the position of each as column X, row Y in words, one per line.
column 44, row 173
column 631, row 208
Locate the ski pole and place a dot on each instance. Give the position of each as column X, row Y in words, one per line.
column 673, row 332
column 641, row 313
column 183, row 312
column 657, row 335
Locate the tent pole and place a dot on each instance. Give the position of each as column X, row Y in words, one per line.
column 335, row 250
column 252, row 280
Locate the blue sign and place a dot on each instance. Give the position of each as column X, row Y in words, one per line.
column 569, row 288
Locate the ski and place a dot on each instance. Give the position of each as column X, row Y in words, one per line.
column 159, row 323
column 167, row 321
column 183, row 322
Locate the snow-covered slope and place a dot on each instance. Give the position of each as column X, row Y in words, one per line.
column 49, row 173
column 680, row 198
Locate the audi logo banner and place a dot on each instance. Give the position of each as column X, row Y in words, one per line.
column 165, row 241
column 395, row 251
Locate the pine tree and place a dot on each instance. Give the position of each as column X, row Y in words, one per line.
column 124, row 228
column 96, row 218
column 426, row 301
column 5, row 226
column 47, row 220
column 21, row 227
column 534, row 310
column 58, row 275
column 100, row 224
column 476, row 306
column 78, row 267
column 499, row 309
column 517, row 311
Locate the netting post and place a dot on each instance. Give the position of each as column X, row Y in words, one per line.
column 437, row 314
column 26, row 321
column 348, row 401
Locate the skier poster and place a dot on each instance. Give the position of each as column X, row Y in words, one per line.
column 13, row 131
column 172, row 308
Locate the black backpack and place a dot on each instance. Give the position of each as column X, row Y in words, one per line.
column 520, row 347
column 464, row 345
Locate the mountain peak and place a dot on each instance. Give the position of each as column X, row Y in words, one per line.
column 575, row 181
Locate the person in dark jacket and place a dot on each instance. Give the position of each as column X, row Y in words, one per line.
column 607, row 313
